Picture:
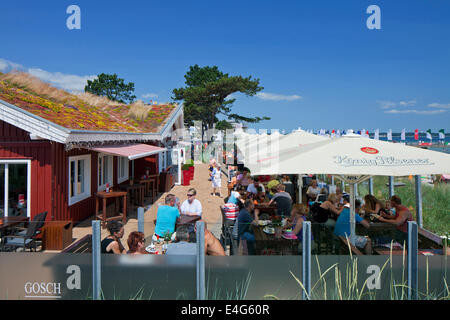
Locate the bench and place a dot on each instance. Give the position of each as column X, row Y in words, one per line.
column 345, row 245
column 83, row 245
column 428, row 240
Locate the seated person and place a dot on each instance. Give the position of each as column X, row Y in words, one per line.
column 400, row 219
column 136, row 243
column 166, row 218
column 289, row 185
column 358, row 207
column 272, row 185
column 328, row 211
column 182, row 246
column 235, row 197
column 231, row 207
column 248, row 216
column 243, row 180
column 254, row 189
column 283, row 201
column 372, row 205
column 342, row 227
column 313, row 191
column 112, row 244
column 298, row 215
column 191, row 206
column 213, row 247
column 232, row 183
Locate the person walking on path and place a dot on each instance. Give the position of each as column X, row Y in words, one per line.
column 216, row 178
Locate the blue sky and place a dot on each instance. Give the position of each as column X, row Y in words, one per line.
column 319, row 64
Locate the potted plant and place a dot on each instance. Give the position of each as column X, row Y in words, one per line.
column 191, row 168
column 167, row 238
column 186, row 174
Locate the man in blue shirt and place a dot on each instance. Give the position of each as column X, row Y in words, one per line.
column 245, row 220
column 166, row 217
column 342, row 227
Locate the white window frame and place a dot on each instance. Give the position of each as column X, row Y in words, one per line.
column 110, row 171
column 87, row 178
column 6, row 182
column 125, row 177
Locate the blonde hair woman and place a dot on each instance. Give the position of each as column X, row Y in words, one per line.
column 329, row 210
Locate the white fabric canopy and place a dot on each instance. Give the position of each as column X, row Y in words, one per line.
column 352, row 155
column 354, row 159
column 256, row 148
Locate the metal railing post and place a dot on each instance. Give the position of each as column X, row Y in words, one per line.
column 141, row 219
column 96, row 261
column 306, row 259
column 200, row 235
column 371, row 186
column 418, row 186
column 412, row 260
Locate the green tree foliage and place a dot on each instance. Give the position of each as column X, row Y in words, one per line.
column 206, row 92
column 223, row 125
column 111, row 86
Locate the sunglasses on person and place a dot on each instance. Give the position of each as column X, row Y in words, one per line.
column 191, row 195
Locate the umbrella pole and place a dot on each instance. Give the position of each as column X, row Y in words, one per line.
column 352, row 213
column 371, row 186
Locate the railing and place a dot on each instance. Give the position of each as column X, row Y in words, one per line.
column 93, row 275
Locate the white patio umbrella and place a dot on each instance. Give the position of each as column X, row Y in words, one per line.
column 256, row 148
column 354, row 159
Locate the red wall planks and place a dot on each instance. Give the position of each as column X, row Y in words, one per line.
column 50, row 173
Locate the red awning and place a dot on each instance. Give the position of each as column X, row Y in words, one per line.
column 131, row 151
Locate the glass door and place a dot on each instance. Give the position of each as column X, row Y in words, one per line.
column 14, row 188
column 17, row 189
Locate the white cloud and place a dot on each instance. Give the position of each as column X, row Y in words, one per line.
column 424, row 112
column 149, row 95
column 65, row 81
column 277, row 97
column 392, row 104
column 6, row 66
column 439, row 105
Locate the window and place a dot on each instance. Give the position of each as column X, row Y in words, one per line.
column 122, row 169
column 79, row 178
column 105, row 164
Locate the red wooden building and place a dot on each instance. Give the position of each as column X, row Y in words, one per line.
column 48, row 156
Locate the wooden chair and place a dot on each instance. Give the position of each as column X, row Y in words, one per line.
column 39, row 220
column 28, row 240
column 227, row 230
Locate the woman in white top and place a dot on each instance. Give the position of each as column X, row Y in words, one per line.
column 313, row 190
column 216, row 179
column 191, row 206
